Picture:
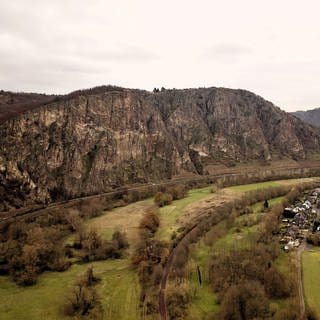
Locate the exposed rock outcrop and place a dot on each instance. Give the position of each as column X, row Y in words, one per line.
column 91, row 141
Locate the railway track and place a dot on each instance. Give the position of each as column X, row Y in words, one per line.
column 26, row 213
column 163, row 314
column 9, row 216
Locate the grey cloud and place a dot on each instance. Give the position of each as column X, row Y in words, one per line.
column 122, row 53
column 228, row 50
column 58, row 46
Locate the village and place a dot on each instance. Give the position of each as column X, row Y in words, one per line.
column 300, row 220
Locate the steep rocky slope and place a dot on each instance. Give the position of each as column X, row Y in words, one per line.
column 310, row 116
column 90, row 141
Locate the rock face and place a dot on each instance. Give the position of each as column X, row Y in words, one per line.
column 91, row 141
column 310, row 116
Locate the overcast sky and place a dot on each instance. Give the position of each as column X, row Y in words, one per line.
column 269, row 47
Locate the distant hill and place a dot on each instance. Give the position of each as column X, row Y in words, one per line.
column 13, row 104
column 89, row 141
column 310, row 116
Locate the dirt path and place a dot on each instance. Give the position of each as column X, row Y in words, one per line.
column 192, row 216
column 195, row 210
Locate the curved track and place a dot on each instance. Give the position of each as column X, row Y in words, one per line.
column 10, row 216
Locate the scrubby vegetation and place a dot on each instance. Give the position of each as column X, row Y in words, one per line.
column 148, row 259
column 83, row 299
column 313, row 238
column 235, row 274
column 164, row 198
column 28, row 248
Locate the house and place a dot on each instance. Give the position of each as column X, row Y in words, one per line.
column 288, row 213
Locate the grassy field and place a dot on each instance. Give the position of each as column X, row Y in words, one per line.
column 119, row 288
column 311, row 279
column 240, row 236
column 125, row 219
column 268, row 184
column 259, row 205
column 203, row 302
column 255, row 186
column 170, row 214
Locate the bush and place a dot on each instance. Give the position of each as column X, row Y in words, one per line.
column 230, row 268
column 150, row 221
column 120, row 240
column 291, row 312
column 313, row 238
column 177, row 192
column 274, row 284
column 162, row 199
column 244, row 301
column 89, row 278
column 95, row 248
column 310, row 314
column 177, row 299
column 83, row 297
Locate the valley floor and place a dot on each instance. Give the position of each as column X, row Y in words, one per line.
column 120, row 289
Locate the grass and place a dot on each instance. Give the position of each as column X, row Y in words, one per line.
column 236, row 240
column 311, row 279
column 170, row 214
column 285, row 266
column 125, row 219
column 255, row 186
column 258, row 207
column 121, row 293
column 240, row 236
column 203, row 301
column 119, row 288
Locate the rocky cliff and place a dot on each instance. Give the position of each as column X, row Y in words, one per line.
column 91, row 141
column 310, row 116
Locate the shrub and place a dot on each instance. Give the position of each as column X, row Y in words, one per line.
column 291, row 312
column 150, row 221
column 313, row 238
column 89, row 278
column 83, row 298
column 177, row 192
column 162, row 199
column 244, row 301
column 274, row 284
column 177, row 299
column 95, row 248
column 310, row 314
column 120, row 240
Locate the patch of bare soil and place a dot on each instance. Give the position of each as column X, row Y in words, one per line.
column 297, row 181
column 194, row 210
